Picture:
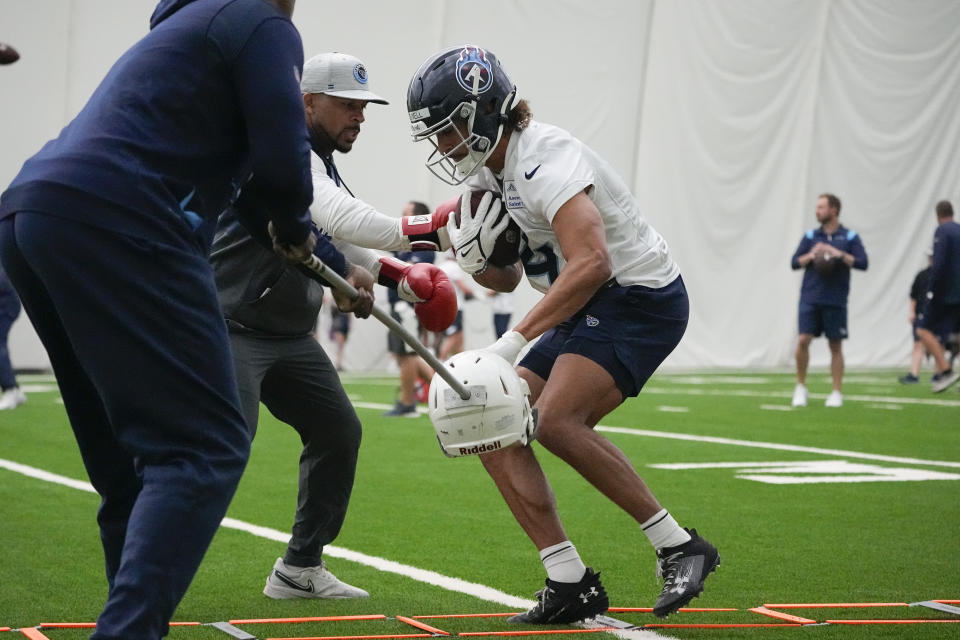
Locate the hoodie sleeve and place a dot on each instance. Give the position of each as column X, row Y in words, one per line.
column 266, row 76
column 806, row 243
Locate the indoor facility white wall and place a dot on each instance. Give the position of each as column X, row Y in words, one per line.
column 727, row 117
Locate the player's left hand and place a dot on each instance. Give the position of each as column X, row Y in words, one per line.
column 508, row 346
column 474, row 237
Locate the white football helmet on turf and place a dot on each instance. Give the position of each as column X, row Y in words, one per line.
column 496, row 415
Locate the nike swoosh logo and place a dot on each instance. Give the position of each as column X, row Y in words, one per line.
column 294, row 584
column 529, row 174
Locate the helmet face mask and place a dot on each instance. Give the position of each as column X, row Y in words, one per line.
column 474, row 148
column 465, row 92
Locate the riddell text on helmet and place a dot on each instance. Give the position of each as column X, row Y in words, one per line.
column 493, row 446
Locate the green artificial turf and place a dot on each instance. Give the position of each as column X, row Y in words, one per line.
column 780, row 543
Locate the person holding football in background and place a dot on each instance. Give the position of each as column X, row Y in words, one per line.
column 613, row 309
column 827, row 254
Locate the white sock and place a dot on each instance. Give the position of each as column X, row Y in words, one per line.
column 562, row 562
column 663, row 530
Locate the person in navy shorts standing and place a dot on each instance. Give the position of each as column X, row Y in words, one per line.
column 826, row 254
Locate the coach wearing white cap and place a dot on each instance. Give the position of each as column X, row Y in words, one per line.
column 335, row 93
column 271, row 308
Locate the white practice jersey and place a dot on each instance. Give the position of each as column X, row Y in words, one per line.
column 346, row 219
column 545, row 167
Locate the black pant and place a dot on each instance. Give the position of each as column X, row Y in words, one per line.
column 9, row 310
column 138, row 344
column 299, row 385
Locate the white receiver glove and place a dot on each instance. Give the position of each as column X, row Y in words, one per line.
column 474, row 238
column 508, row 346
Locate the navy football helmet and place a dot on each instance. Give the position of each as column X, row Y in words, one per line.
column 463, row 85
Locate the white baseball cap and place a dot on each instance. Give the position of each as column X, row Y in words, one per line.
column 339, row 75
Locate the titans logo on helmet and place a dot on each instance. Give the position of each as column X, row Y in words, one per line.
column 360, row 73
column 474, row 73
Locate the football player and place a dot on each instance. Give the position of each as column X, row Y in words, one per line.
column 614, row 307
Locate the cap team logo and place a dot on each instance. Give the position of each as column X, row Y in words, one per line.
column 474, row 73
column 360, row 74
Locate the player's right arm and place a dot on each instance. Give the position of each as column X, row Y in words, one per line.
column 804, row 254
column 353, row 220
column 502, row 279
column 265, row 78
column 580, row 232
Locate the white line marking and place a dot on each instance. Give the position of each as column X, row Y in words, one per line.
column 885, row 407
column 774, row 445
column 745, row 443
column 817, row 471
column 39, row 388
column 749, row 393
column 379, row 406
column 479, row 591
column 776, row 407
column 698, row 380
column 669, row 409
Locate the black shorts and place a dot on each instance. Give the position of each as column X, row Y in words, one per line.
column 403, row 313
column 939, row 319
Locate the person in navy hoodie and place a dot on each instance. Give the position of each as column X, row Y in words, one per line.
column 826, row 254
column 941, row 306
column 105, row 234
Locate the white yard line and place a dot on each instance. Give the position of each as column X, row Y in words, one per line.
column 479, row 591
column 740, row 443
column 749, row 393
column 776, row 446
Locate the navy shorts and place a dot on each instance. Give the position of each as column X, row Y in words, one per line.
column 629, row 331
column 501, row 322
column 823, row 319
column 457, row 325
column 340, row 323
column 939, row 319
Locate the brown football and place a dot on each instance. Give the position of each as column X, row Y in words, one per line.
column 8, row 55
column 506, row 250
column 827, row 266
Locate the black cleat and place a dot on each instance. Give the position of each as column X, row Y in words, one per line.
column 563, row 602
column 684, row 569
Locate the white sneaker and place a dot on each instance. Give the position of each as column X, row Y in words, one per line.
column 799, row 396
column 835, row 399
column 941, row 381
column 287, row 582
column 12, row 398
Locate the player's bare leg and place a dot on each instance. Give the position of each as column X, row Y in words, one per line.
column 803, row 361
column 803, row 356
column 836, row 363
column 568, row 409
column 934, row 348
column 573, row 592
column 524, row 487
